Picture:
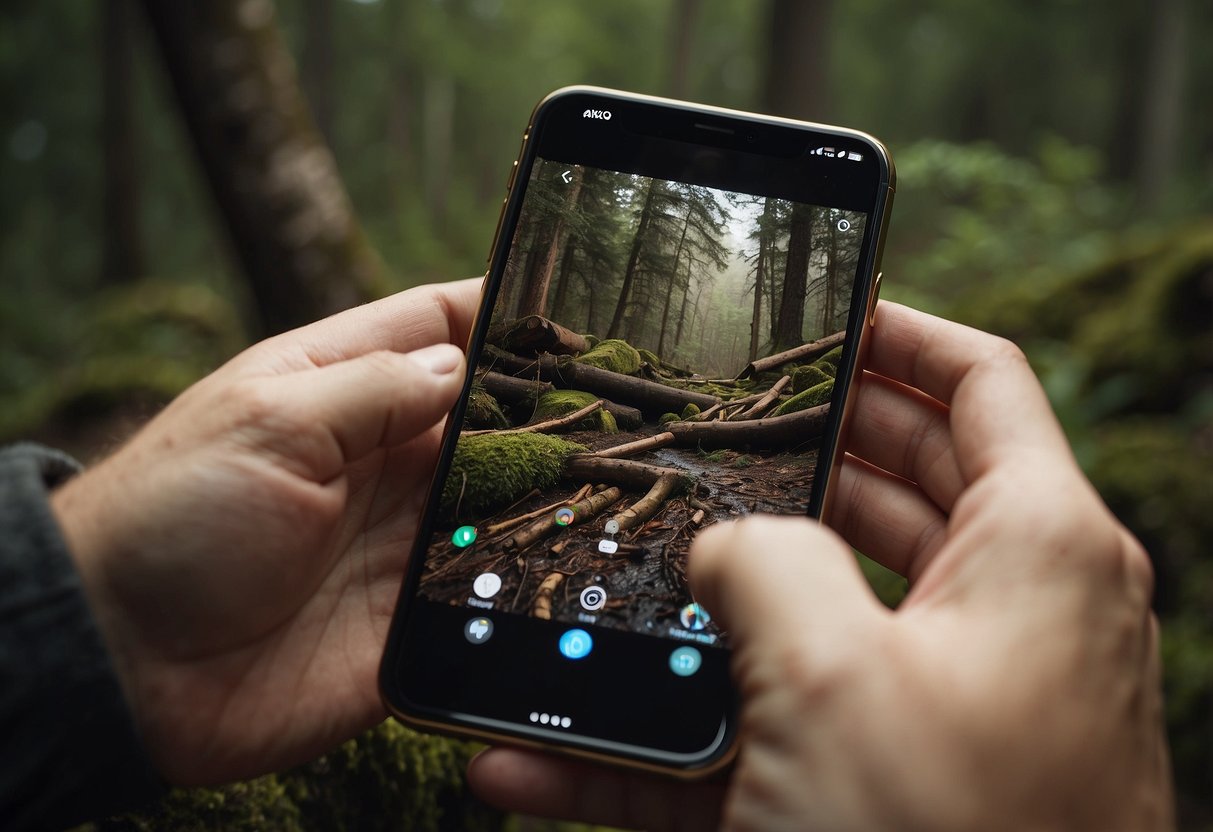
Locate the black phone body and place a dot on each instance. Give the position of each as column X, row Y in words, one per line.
column 545, row 602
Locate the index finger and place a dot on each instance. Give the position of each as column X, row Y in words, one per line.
column 998, row 410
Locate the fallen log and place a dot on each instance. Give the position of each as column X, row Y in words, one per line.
column 535, row 334
column 653, row 398
column 647, row 506
column 805, row 352
column 639, row 446
column 769, row 398
column 542, row 527
column 514, row 390
column 623, row 472
column 771, row 433
column 506, row 525
column 543, row 427
column 542, row 608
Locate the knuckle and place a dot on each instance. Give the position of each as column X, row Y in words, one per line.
column 1001, row 350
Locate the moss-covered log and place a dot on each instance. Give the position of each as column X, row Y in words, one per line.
column 771, row 433
column 613, row 355
column 812, row 397
column 651, row 397
column 492, row 470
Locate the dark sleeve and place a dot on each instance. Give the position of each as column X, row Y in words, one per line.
column 68, row 746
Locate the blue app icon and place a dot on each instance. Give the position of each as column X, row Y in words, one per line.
column 685, row 661
column 576, row 644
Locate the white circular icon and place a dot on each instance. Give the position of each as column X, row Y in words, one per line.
column 612, row 527
column 487, row 585
column 593, row 598
column 844, row 225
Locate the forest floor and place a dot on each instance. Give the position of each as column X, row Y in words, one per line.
column 645, row 582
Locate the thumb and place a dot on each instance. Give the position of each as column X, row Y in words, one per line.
column 376, row 400
column 780, row 584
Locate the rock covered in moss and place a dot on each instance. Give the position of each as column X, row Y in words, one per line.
column 495, row 469
column 613, row 355
column 828, row 363
column 563, row 402
column 483, row 411
column 666, row 418
column 690, row 410
column 814, row 396
column 807, row 376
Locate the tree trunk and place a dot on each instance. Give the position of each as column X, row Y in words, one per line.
column 669, row 292
column 651, row 397
column 790, row 327
column 1162, row 110
column 629, row 273
column 534, row 334
column 829, row 302
column 274, row 179
column 121, row 248
column 775, row 433
column 317, row 63
column 795, row 81
column 542, row 261
column 759, row 277
column 801, row 354
column 683, row 18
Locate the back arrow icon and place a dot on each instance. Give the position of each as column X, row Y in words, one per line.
column 567, row 176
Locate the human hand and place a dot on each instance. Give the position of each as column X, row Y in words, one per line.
column 243, row 552
column 1016, row 687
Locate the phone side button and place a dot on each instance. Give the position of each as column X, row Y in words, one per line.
column 875, row 298
column 497, row 233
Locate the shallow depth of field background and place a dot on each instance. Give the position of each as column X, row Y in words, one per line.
column 1055, row 170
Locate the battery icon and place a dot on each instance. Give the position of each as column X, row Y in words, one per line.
column 854, row 157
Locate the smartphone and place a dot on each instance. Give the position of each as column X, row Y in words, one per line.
column 675, row 310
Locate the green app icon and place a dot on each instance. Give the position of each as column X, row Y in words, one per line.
column 464, row 536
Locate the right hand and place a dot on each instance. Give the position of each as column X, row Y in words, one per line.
column 1017, row 686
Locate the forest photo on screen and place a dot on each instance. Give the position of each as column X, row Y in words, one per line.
column 661, row 356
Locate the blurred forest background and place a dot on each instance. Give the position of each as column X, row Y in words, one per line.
column 180, row 179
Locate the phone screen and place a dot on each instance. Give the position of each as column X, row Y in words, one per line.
column 670, row 334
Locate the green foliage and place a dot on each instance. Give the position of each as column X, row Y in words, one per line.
column 495, row 469
column 483, row 411
column 690, row 410
column 389, row 779
column 808, row 376
column 614, row 355
column 812, row 397
column 563, row 402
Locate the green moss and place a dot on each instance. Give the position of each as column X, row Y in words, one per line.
column 563, row 402
column 614, row 355
column 666, row 418
column 690, row 410
column 389, row 778
column 592, row 340
column 828, row 363
column 814, row 396
column 495, row 469
column 808, row 376
column 484, row 412
column 650, row 358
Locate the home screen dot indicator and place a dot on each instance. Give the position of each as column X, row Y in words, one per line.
column 464, row 536
column 564, row 516
column 576, row 644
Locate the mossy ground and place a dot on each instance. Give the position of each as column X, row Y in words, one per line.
column 493, row 470
column 563, row 402
column 814, row 396
column 614, row 355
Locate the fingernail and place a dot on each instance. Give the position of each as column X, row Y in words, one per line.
column 439, row 359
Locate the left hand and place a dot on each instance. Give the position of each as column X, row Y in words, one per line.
column 243, row 552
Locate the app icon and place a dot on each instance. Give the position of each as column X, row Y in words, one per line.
column 694, row 617
column 685, row 661
column 478, row 630
column 576, row 644
column 608, row 547
column 486, row 585
column 593, row 598
column 464, row 536
column 564, row 516
column 611, row 527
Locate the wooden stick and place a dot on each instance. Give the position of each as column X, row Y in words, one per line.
column 544, row 427
column 647, row 506
column 542, row 527
column 771, row 433
column 542, row 608
column 506, row 525
column 639, row 446
column 805, row 352
column 769, row 398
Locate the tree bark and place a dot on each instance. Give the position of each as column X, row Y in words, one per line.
column 683, row 18
column 795, row 81
column 805, row 352
column 273, row 178
column 790, row 327
column 317, row 63
column 534, row 334
column 647, row 506
column 650, row 396
column 121, row 247
column 759, row 278
column 638, row 447
column 772, row 433
column 512, row 390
